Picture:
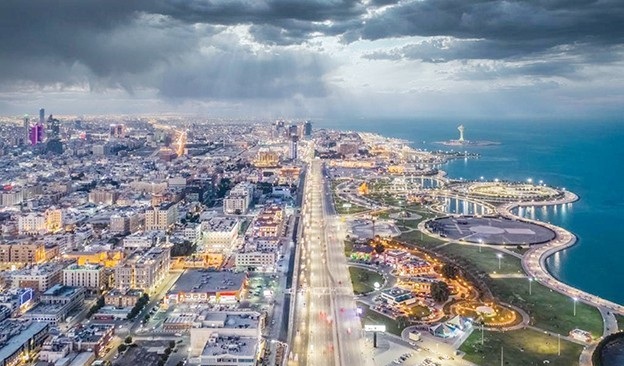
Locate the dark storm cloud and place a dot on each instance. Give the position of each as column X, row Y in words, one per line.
column 177, row 47
column 134, row 44
column 541, row 24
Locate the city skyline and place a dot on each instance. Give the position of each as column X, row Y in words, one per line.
column 378, row 58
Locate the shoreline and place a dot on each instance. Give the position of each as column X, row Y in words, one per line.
column 534, row 260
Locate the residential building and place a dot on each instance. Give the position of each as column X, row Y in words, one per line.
column 40, row 277
column 143, row 269
column 161, row 217
column 33, row 223
column 219, row 234
column 91, row 276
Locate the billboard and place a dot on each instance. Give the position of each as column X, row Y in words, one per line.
column 374, row 327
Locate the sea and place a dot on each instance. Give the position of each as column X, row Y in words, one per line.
column 585, row 157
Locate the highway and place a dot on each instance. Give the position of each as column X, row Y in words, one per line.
column 326, row 311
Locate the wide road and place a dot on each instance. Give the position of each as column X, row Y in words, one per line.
column 347, row 323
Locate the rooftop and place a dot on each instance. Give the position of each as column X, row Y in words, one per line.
column 234, row 346
column 14, row 333
column 201, row 280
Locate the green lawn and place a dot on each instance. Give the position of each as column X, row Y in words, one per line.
column 485, row 260
column 620, row 320
column 374, row 318
column 419, row 239
column 363, row 280
column 348, row 247
column 549, row 309
column 520, row 348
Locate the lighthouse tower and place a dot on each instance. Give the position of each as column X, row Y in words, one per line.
column 461, row 133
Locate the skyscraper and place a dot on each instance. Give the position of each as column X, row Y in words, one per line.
column 26, row 126
column 292, row 151
column 307, row 129
column 41, row 116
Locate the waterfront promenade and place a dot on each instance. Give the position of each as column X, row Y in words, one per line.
column 534, row 261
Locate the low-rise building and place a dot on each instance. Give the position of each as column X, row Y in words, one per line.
column 141, row 240
column 239, row 199
column 197, row 286
column 91, row 338
column 90, row 276
column 56, row 303
column 219, row 234
column 17, row 299
column 161, row 217
column 39, row 277
column 143, row 269
column 261, row 261
column 20, row 337
column 122, row 299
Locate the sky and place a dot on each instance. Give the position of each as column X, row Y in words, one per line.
column 314, row 58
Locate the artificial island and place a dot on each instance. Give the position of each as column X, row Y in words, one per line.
column 176, row 240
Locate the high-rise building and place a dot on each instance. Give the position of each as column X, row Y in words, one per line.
column 307, row 129
column 292, row 151
column 26, row 127
column 53, row 128
column 117, row 131
column 41, row 116
column 35, row 134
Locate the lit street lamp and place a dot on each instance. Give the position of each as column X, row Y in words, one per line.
column 575, row 299
column 500, row 256
column 530, row 282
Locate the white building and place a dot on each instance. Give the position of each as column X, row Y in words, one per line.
column 143, row 269
column 261, row 261
column 31, row 224
column 161, row 217
column 239, row 199
column 141, row 240
column 219, row 234
column 90, row 276
column 193, row 232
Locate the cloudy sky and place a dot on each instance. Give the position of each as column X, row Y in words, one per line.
column 298, row 58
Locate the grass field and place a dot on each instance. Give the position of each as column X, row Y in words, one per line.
column 549, row 309
column 620, row 321
column 372, row 317
column 485, row 260
column 419, row 239
column 363, row 280
column 520, row 348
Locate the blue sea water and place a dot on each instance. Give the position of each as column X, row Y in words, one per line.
column 582, row 156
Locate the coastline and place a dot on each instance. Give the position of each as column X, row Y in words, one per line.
column 541, row 253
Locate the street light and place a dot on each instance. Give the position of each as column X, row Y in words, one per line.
column 500, row 256
column 530, row 282
column 480, row 244
column 575, row 299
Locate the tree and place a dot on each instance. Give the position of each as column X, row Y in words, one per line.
column 402, row 321
column 450, row 271
column 172, row 344
column 121, row 348
column 379, row 248
column 128, row 340
column 440, row 291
